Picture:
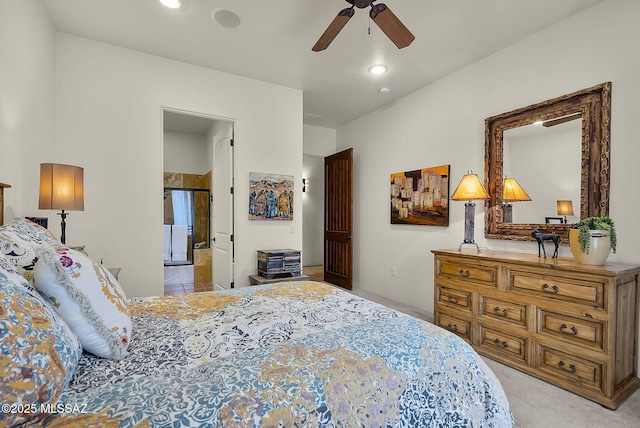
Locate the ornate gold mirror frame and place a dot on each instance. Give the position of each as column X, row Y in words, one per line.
column 594, row 104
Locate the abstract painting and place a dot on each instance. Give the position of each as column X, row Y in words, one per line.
column 421, row 196
column 270, row 196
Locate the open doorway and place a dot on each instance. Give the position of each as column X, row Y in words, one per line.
column 191, row 212
column 313, row 214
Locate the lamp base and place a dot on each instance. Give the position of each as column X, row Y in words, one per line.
column 507, row 213
column 469, row 243
column 469, row 215
column 63, row 226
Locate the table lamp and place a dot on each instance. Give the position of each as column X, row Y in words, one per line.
column 468, row 189
column 61, row 188
column 511, row 192
column 565, row 208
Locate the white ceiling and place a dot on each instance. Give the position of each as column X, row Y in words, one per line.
column 273, row 42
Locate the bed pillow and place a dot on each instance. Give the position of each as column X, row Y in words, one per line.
column 19, row 241
column 39, row 351
column 35, row 231
column 87, row 297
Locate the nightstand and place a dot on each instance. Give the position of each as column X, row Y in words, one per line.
column 259, row 279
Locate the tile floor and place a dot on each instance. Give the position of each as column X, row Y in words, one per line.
column 187, row 288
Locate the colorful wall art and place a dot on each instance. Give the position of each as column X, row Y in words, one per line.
column 421, row 196
column 270, row 196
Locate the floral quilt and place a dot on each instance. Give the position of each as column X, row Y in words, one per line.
column 301, row 354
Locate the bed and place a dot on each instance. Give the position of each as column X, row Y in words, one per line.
column 303, row 354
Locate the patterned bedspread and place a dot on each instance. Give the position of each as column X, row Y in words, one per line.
column 290, row 354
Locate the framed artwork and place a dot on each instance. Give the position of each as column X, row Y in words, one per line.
column 554, row 220
column 421, row 196
column 270, row 196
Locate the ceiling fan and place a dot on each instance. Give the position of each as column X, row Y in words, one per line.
column 381, row 15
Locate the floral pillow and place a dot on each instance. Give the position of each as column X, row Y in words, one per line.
column 87, row 297
column 39, row 351
column 19, row 241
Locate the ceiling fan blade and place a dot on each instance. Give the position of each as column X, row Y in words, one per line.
column 333, row 29
column 391, row 25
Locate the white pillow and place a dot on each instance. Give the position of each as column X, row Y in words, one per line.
column 87, row 297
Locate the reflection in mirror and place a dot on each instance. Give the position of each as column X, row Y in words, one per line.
column 565, row 159
column 546, row 162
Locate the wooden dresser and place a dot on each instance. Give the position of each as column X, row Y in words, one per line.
column 572, row 325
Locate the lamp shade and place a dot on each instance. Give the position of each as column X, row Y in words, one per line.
column 469, row 188
column 61, row 187
column 565, row 208
column 513, row 192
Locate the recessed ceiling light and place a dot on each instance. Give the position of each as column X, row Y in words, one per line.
column 173, row 4
column 378, row 69
column 225, row 18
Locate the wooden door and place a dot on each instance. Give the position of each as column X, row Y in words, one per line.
column 338, row 219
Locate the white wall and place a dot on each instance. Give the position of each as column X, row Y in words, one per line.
column 27, row 104
column 443, row 123
column 186, row 153
column 109, row 104
column 318, row 143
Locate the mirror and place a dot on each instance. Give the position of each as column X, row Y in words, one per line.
column 514, row 147
column 186, row 211
column 523, row 144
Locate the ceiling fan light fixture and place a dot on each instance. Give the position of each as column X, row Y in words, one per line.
column 378, row 69
column 171, row 4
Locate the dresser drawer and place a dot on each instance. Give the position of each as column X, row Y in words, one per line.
column 576, row 370
column 581, row 331
column 580, row 291
column 467, row 273
column 455, row 298
column 506, row 311
column 507, row 345
column 455, row 325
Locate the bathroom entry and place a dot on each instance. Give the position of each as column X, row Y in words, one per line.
column 190, row 182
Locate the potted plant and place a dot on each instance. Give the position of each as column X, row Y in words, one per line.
column 592, row 239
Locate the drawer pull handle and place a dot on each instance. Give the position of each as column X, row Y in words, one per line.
column 500, row 313
column 571, row 369
column 499, row 343
column 452, row 299
column 564, row 327
column 554, row 289
column 464, row 274
column 452, row 327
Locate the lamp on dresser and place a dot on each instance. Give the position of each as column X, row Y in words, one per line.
column 565, row 208
column 61, row 188
column 511, row 192
column 470, row 188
